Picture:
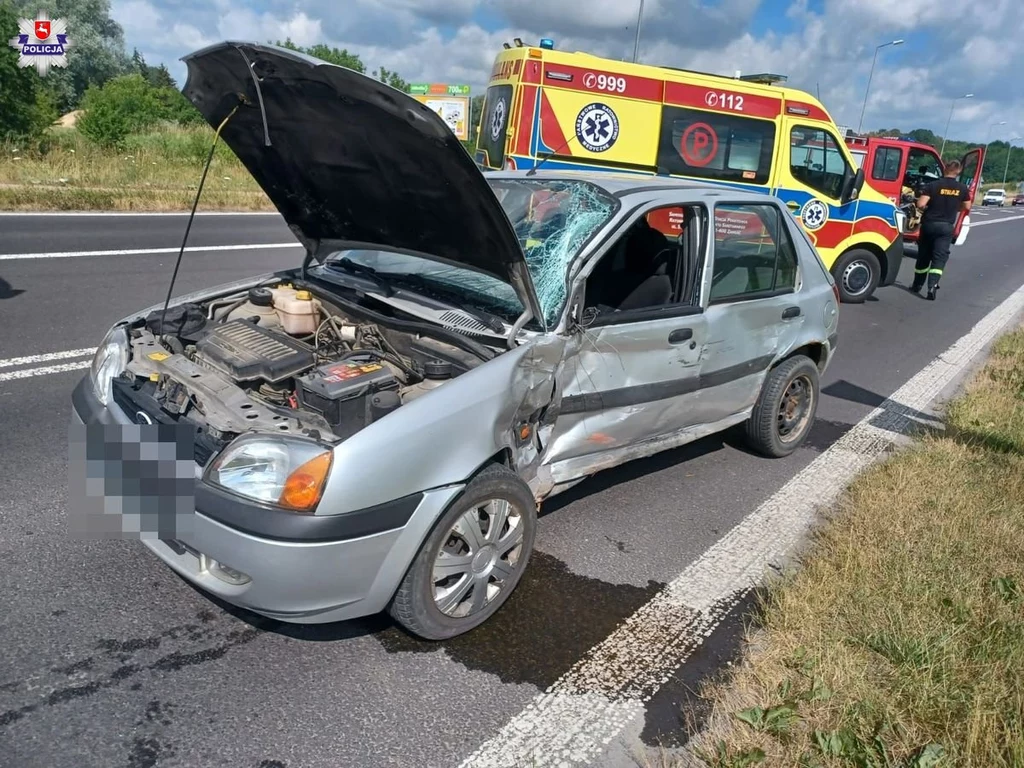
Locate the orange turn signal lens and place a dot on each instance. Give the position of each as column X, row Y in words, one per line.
column 304, row 486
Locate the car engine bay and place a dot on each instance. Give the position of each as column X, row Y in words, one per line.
column 277, row 358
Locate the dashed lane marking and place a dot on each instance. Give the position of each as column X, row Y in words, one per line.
column 11, row 362
column 997, row 221
column 146, row 251
column 27, row 373
column 134, row 214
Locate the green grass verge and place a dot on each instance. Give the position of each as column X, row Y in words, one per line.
column 156, row 171
column 900, row 641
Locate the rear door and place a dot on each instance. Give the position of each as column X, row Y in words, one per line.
column 753, row 310
column 970, row 174
column 494, row 123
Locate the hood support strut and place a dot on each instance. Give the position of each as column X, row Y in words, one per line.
column 192, row 215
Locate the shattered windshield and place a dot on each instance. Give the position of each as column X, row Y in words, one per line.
column 552, row 219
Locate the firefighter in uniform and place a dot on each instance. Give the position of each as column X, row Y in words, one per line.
column 941, row 202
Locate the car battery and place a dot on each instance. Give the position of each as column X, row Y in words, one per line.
column 341, row 391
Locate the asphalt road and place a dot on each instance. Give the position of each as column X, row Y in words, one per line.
column 110, row 660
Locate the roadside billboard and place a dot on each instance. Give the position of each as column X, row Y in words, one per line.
column 451, row 102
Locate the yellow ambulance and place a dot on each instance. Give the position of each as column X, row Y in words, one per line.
column 574, row 111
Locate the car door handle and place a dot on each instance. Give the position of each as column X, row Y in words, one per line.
column 790, row 312
column 680, row 335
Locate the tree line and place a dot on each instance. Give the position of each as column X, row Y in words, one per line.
column 119, row 93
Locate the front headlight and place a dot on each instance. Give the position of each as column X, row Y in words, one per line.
column 901, row 221
column 286, row 472
column 110, row 360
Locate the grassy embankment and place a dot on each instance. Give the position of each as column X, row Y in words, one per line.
column 900, row 641
column 156, row 171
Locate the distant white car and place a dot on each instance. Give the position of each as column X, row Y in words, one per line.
column 995, row 197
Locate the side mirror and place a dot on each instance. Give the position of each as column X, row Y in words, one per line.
column 852, row 186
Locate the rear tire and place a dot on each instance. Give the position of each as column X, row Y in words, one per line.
column 785, row 410
column 472, row 560
column 857, row 273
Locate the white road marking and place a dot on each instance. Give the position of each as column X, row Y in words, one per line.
column 146, row 251
column 573, row 721
column 997, row 221
column 27, row 373
column 137, row 213
column 30, row 359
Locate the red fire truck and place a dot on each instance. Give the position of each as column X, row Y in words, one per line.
column 899, row 166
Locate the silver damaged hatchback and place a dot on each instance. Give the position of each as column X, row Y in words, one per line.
column 376, row 429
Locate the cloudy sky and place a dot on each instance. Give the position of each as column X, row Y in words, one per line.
column 950, row 48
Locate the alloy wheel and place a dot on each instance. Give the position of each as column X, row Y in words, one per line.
column 480, row 557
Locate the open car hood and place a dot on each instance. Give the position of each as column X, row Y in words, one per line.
column 353, row 163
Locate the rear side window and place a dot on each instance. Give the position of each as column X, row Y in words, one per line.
column 754, row 255
column 711, row 146
column 815, row 160
column 494, row 126
column 886, row 166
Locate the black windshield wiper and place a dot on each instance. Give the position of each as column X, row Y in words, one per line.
column 355, row 268
column 493, row 322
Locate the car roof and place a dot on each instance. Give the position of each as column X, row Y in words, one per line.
column 624, row 185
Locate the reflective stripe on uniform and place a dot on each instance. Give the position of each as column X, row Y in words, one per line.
column 921, row 271
column 934, row 271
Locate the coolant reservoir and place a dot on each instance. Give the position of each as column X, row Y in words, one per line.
column 298, row 311
column 260, row 304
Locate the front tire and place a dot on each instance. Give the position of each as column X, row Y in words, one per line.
column 785, row 410
column 857, row 273
column 472, row 560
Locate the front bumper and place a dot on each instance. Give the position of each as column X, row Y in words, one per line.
column 300, row 568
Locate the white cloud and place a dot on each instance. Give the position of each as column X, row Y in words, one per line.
column 949, row 50
column 248, row 25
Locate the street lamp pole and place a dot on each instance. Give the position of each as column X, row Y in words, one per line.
column 945, row 133
column 871, row 74
column 1009, row 149
column 639, row 19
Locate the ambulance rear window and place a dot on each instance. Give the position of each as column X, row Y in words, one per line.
column 722, row 147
